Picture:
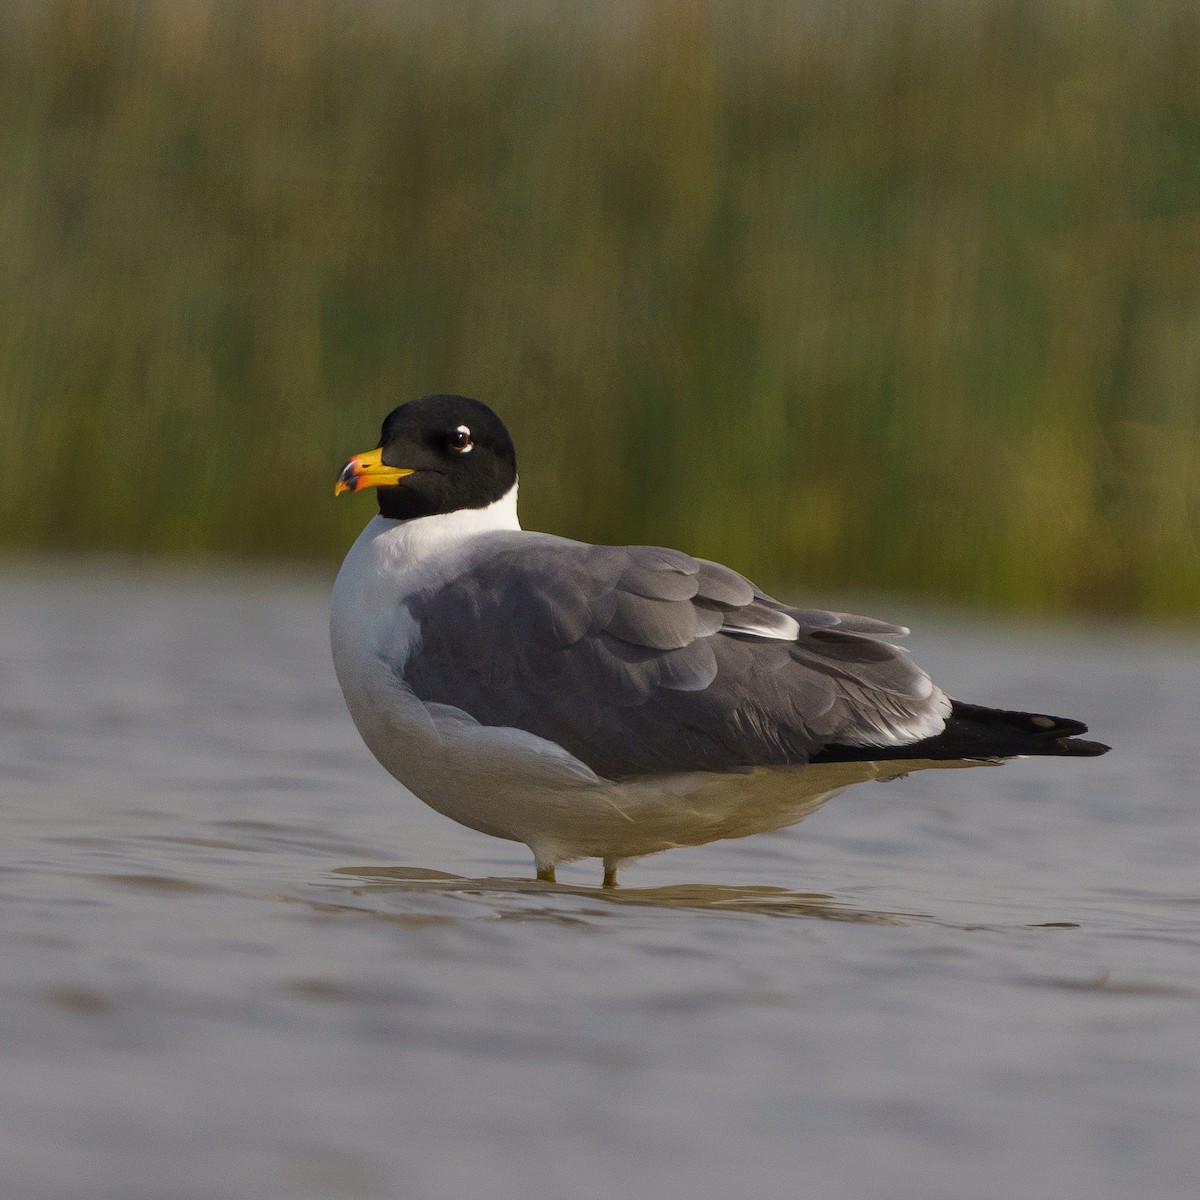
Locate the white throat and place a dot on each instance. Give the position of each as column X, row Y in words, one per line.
column 390, row 553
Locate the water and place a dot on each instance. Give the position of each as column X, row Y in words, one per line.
column 237, row 961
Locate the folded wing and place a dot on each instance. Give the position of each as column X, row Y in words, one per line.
column 640, row 660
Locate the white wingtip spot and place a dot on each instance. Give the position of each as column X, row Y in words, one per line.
column 779, row 627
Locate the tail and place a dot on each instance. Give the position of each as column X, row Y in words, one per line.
column 973, row 732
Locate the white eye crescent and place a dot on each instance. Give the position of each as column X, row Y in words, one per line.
column 460, row 440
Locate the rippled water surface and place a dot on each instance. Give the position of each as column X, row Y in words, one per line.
column 238, row 961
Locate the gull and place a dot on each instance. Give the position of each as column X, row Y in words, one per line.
column 611, row 701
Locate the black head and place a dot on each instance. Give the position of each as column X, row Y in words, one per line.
column 435, row 455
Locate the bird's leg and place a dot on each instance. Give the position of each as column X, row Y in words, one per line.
column 610, row 873
column 546, row 874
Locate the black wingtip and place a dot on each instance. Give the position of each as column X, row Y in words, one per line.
column 1080, row 748
column 975, row 732
column 1019, row 733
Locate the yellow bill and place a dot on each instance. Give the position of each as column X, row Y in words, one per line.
column 367, row 471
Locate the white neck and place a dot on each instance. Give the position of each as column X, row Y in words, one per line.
column 408, row 544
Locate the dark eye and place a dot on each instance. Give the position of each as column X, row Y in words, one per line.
column 460, row 440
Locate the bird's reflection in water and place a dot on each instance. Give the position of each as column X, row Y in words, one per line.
column 711, row 897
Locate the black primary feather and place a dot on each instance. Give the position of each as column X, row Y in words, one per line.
column 974, row 732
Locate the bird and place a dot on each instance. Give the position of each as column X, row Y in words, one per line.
column 611, row 702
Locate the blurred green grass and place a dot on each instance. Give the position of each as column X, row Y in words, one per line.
column 871, row 295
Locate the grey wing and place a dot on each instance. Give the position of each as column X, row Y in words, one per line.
column 641, row 660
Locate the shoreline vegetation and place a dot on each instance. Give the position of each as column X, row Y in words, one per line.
column 897, row 296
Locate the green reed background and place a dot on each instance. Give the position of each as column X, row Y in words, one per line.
column 849, row 295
